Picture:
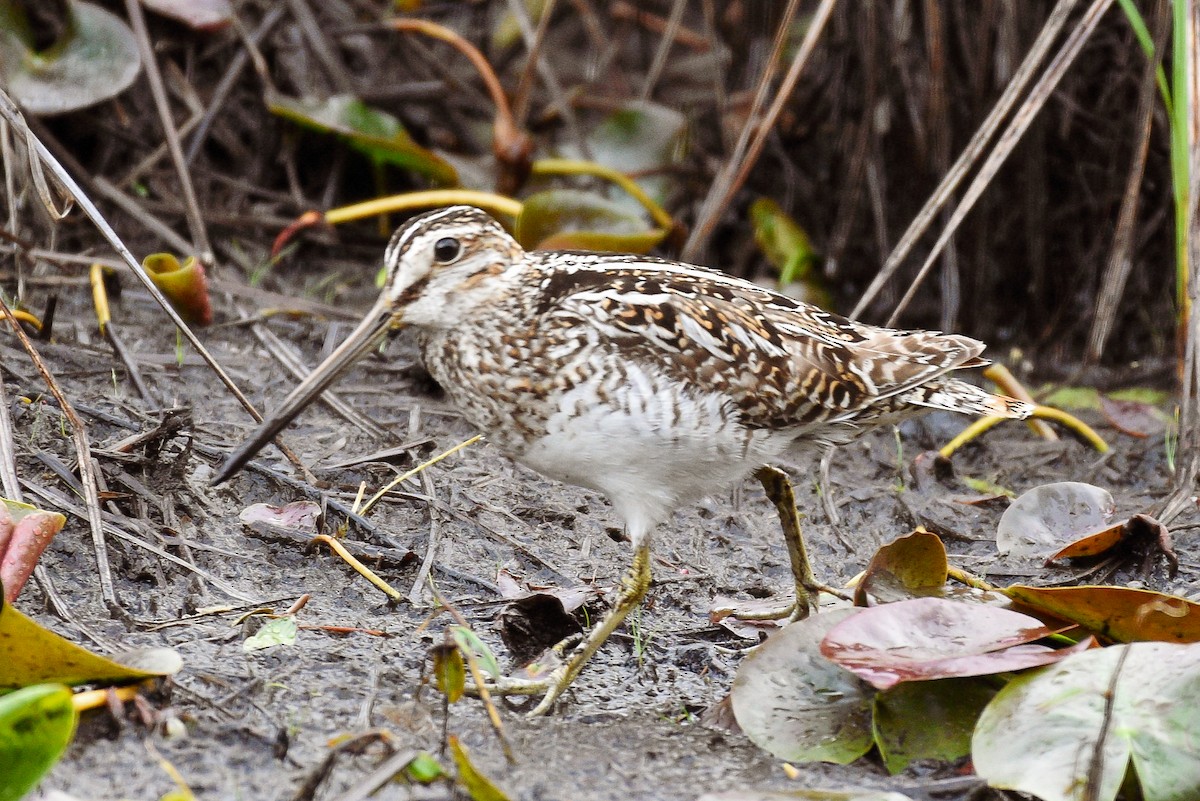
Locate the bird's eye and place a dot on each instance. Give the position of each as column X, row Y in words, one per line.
column 446, row 249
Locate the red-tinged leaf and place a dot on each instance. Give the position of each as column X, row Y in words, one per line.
column 1092, row 544
column 932, row 638
column 29, row 538
column 1134, row 418
column 185, row 285
column 299, row 516
column 1045, row 518
column 1123, row 614
column 911, row 566
column 209, row 16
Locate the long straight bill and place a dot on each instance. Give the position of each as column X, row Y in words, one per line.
column 368, row 333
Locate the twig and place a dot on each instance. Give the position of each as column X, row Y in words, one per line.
column 664, row 48
column 87, row 474
column 1008, row 140
column 971, row 153
column 225, row 86
column 744, row 157
column 201, row 245
column 1116, row 272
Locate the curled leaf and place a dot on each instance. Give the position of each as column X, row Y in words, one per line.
column 185, row 285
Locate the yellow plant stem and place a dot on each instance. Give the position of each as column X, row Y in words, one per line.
column 1070, row 421
column 362, row 569
column 394, row 482
column 969, row 579
column 94, row 699
column 575, row 167
column 1008, row 383
column 99, row 296
column 426, row 199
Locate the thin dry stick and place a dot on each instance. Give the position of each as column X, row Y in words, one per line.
column 200, row 243
column 8, row 453
column 225, row 86
column 549, row 77
column 40, row 155
column 1120, row 262
column 971, row 153
column 311, row 29
column 83, row 448
column 525, row 84
column 754, row 134
column 664, row 48
column 1008, row 140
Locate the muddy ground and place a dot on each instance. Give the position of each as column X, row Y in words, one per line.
column 259, row 725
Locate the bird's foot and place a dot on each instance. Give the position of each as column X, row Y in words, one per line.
column 558, row 660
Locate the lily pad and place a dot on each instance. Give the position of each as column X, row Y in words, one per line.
column 1045, row 518
column 639, row 138
column 1070, row 732
column 374, row 133
column 201, row 15
column 928, row 720
column 95, row 60
column 571, row 219
column 795, row 703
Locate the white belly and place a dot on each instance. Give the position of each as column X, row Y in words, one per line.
column 648, row 444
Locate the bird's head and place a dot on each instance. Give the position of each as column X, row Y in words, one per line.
column 439, row 265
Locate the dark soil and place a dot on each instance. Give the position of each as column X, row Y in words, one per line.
column 259, row 725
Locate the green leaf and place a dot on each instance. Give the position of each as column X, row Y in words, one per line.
column 424, row 768
column 30, row 654
column 787, row 247
column 928, row 720
column 36, row 725
column 571, row 219
column 376, row 134
column 1074, row 398
column 1083, row 720
column 469, row 642
column 280, row 631
column 94, row 61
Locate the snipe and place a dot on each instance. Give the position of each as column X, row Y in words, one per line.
column 651, row 381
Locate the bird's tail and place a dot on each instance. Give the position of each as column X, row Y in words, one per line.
column 954, row 395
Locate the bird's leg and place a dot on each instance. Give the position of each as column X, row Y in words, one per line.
column 634, row 585
column 779, row 491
